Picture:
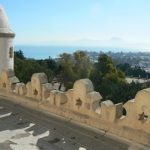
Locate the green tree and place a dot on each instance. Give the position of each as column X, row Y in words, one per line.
column 19, row 54
column 82, row 64
column 24, row 68
column 67, row 75
column 107, row 78
column 74, row 67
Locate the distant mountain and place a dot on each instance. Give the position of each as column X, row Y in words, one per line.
column 113, row 42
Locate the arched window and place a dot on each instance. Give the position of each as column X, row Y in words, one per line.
column 11, row 52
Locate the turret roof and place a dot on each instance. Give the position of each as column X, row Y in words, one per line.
column 4, row 24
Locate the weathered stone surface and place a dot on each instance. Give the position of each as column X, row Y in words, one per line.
column 21, row 89
column 36, row 83
column 109, row 111
column 142, row 102
column 84, row 97
column 82, row 88
column 29, row 89
column 69, row 95
column 52, row 97
column 82, row 103
column 46, row 88
column 8, row 80
column 130, row 109
column 12, row 82
column 119, row 110
column 61, row 99
column 93, row 99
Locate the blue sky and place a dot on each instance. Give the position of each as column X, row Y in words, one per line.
column 41, row 21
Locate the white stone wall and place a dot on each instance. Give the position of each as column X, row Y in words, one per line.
column 5, row 61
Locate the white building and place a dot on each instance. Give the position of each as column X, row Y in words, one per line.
column 6, row 43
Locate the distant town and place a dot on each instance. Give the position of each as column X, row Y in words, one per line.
column 138, row 60
column 135, row 59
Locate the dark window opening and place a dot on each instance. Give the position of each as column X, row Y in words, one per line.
column 11, row 52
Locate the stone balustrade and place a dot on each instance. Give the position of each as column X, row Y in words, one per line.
column 82, row 104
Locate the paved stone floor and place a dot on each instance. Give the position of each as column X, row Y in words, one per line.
column 23, row 129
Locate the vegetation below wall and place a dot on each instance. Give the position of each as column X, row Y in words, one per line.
column 133, row 71
column 108, row 79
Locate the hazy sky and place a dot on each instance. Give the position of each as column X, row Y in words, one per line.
column 37, row 21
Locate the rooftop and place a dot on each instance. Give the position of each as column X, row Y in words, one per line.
column 4, row 23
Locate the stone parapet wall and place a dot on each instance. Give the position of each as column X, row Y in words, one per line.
column 82, row 105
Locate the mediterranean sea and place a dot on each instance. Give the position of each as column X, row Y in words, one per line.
column 42, row 52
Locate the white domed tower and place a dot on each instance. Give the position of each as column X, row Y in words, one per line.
column 6, row 43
